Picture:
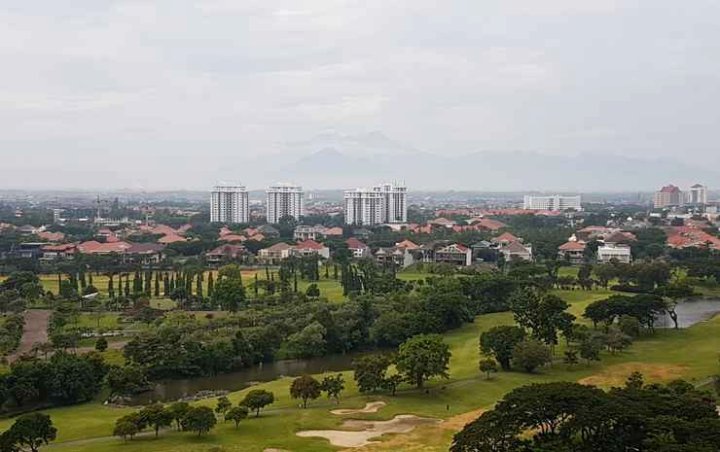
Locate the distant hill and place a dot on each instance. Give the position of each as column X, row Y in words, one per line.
column 492, row 171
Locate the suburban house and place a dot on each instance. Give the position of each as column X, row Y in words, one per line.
column 505, row 239
column 400, row 257
column 455, row 254
column 273, row 255
column 58, row 252
column 358, row 249
column 407, row 245
column 620, row 253
column 303, row 232
column 486, row 224
column 225, row 253
column 309, row 248
column 573, row 251
column 268, row 231
column 516, row 251
column 141, row 253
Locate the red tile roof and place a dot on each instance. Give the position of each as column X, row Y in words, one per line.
column 572, row 246
column 407, row 244
column 309, row 245
column 355, row 244
column 505, row 237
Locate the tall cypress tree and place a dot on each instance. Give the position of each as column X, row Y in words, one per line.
column 199, row 285
column 211, row 285
column 148, row 283
column 157, row 285
column 256, row 285
column 127, row 285
column 111, row 287
column 166, row 285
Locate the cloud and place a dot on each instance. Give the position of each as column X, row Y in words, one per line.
column 208, row 86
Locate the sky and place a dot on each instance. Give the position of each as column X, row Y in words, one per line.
column 178, row 94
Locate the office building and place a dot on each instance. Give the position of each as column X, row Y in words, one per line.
column 284, row 200
column 229, row 204
column 554, row 203
column 383, row 204
column 668, row 196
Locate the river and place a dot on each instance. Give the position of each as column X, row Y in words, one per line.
column 691, row 312
column 171, row 390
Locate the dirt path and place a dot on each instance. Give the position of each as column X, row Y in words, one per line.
column 34, row 332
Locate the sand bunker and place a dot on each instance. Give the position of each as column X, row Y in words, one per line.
column 615, row 376
column 372, row 407
column 363, row 431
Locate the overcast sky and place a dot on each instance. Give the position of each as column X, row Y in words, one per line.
column 176, row 93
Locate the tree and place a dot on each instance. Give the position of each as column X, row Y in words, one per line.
column 369, row 371
column 500, row 341
column 312, row 291
column 125, row 429
column 200, row 419
column 308, row 342
column 571, row 357
column 228, row 293
column 258, row 399
column 531, row 354
column 33, row 430
column 156, row 416
column 543, row 314
column 223, row 405
column 126, row 380
column 422, row 357
column 305, row 388
column 178, row 411
column 333, row 386
column 236, row 414
column 488, row 366
column 101, row 344
column 590, row 349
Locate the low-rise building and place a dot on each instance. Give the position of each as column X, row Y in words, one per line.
column 225, row 254
column 276, row 253
column 358, row 249
column 455, row 253
column 309, row 248
column 58, row 252
column 619, row 253
column 573, row 251
column 516, row 251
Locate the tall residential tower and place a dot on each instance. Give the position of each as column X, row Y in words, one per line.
column 229, row 204
column 284, row 200
column 386, row 203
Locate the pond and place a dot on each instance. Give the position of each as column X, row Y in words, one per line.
column 691, row 312
column 171, row 390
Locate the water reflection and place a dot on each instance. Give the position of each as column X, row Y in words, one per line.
column 691, row 312
column 170, row 390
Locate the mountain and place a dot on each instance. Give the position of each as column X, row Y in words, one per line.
column 492, row 171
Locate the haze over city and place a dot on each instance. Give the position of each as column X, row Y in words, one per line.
column 495, row 95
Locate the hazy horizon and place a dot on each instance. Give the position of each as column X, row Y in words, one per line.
column 499, row 96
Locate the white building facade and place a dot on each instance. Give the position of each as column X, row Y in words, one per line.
column 555, row 203
column 620, row 253
column 229, row 204
column 383, row 204
column 284, row 200
column 697, row 195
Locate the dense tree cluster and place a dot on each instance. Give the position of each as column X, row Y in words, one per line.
column 63, row 379
column 567, row 416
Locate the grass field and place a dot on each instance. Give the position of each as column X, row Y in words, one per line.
column 661, row 356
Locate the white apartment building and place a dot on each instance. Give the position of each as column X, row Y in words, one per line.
column 697, row 195
column 284, row 200
column 383, row 204
column 229, row 204
column 621, row 253
column 555, row 203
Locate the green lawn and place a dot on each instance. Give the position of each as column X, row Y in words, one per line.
column 663, row 355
